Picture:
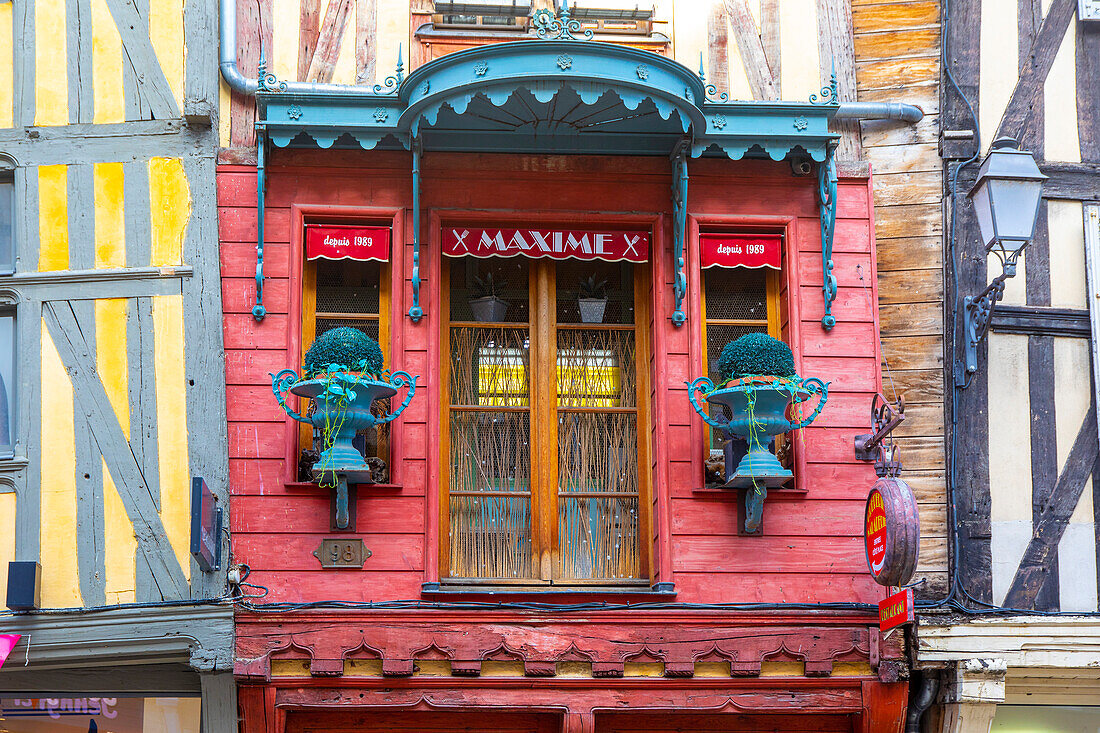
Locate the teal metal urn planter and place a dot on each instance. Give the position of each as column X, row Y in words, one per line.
column 342, row 400
column 761, row 387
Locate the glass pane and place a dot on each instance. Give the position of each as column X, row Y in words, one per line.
column 612, row 281
column 598, row 535
column 736, row 293
column 490, row 501
column 7, row 224
column 368, row 326
column 492, row 290
column 490, row 366
column 115, row 714
column 347, row 286
column 596, row 368
column 7, row 379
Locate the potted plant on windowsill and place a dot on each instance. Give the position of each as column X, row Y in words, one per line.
column 592, row 299
column 757, row 388
column 487, row 306
column 343, row 375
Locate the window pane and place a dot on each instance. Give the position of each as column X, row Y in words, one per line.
column 490, row 495
column 490, row 366
column 347, row 286
column 598, row 535
column 474, row 282
column 736, row 293
column 7, row 379
column 7, row 224
column 596, row 368
column 614, row 281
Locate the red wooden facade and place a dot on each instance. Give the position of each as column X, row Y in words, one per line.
column 360, row 668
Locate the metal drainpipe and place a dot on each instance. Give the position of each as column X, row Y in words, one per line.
column 240, row 83
column 926, row 695
column 879, row 111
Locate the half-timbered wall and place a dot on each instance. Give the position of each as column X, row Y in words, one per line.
column 112, row 237
column 108, row 114
column 1027, row 442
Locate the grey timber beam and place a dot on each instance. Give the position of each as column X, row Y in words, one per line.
column 122, row 142
column 199, row 635
column 219, row 702
column 153, row 85
column 1073, row 181
column 152, row 540
column 204, row 360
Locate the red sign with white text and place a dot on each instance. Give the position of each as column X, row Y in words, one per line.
column 558, row 244
column 342, row 242
column 875, row 532
column 741, row 250
column 896, row 610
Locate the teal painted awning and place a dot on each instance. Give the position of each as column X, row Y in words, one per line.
column 548, row 96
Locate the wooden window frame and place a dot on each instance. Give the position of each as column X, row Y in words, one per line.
column 544, row 534
column 783, row 302
column 302, row 301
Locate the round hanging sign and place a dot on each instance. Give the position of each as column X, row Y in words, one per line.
column 892, row 532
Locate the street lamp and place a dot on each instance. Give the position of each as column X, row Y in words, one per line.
column 1006, row 201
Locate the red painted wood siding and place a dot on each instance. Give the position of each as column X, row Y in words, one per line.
column 811, row 550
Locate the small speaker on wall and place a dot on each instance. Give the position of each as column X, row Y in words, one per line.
column 24, row 583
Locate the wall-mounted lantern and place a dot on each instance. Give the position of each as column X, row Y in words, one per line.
column 1006, row 201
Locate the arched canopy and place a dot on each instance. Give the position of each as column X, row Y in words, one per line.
column 556, row 96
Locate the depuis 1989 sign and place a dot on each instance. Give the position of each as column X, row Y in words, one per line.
column 892, row 532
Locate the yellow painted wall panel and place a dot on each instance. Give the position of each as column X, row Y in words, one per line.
column 999, row 61
column 166, row 33
column 224, row 107
column 7, row 534
column 60, row 579
column 392, row 30
column 110, row 222
column 343, row 71
column 285, row 22
column 120, row 548
column 53, row 217
column 1010, row 441
column 51, row 79
column 800, row 68
column 110, row 327
column 7, row 80
column 110, row 101
column 170, row 208
column 1066, row 234
column 175, row 482
column 1072, row 397
column 1060, row 135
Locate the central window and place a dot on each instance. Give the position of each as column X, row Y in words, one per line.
column 543, row 436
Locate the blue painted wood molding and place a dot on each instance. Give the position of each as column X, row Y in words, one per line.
column 550, row 96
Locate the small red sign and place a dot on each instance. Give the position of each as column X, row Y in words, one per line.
column 741, row 250
column 559, row 244
column 875, row 532
column 896, row 610
column 342, row 242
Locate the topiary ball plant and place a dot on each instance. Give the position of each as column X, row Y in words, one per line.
column 755, row 354
column 346, row 346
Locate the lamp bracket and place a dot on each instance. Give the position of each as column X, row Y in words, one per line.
column 876, row 445
column 977, row 314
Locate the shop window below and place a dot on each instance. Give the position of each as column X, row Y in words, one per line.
column 347, row 293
